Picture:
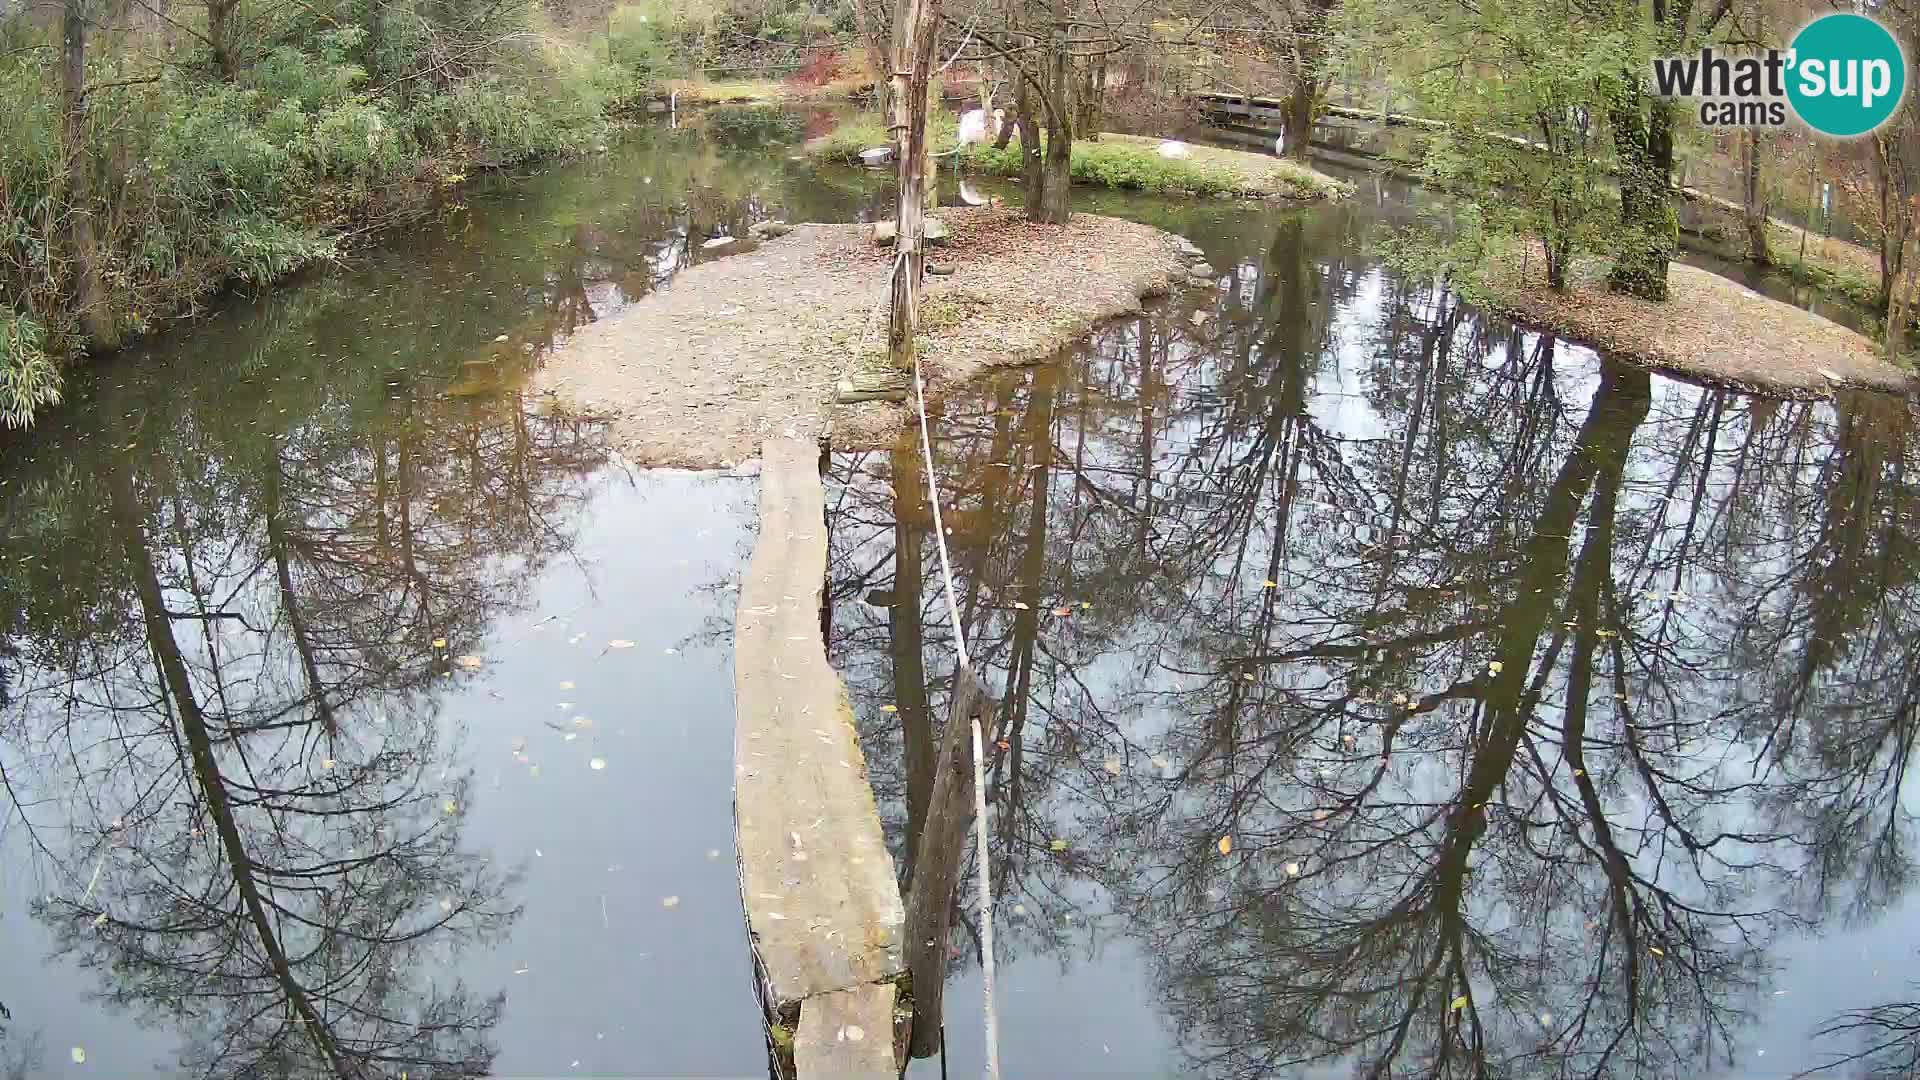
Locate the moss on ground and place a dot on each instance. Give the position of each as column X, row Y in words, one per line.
column 1128, row 162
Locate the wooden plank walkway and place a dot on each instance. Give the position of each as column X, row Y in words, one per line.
column 822, row 903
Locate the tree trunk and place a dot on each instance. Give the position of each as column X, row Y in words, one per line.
column 1033, row 175
column 912, row 60
column 1093, row 89
column 1754, row 204
column 942, row 849
column 1312, row 30
column 1895, row 213
column 1643, row 143
column 220, row 37
column 1899, row 306
column 930, row 195
column 1055, row 190
column 873, row 35
column 89, row 289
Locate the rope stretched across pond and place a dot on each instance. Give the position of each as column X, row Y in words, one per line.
column 984, row 877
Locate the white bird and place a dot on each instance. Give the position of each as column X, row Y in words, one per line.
column 970, row 196
column 1171, row 149
column 1280, row 145
column 977, row 128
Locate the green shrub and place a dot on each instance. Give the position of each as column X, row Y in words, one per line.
column 335, row 111
column 29, row 378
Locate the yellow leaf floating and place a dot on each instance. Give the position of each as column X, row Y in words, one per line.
column 1058, row 845
column 439, row 643
column 1269, row 584
column 1494, row 667
column 1656, row 950
column 889, row 708
column 1226, row 845
column 468, row 661
column 1458, row 1003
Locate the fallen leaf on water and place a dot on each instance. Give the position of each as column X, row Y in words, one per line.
column 1546, row 1019
column 101, row 919
column 326, row 763
column 1320, row 815
column 566, row 684
column 1269, row 584
column 1084, row 605
column 79, row 1055
column 446, row 904
column 571, row 735
column 452, row 807
column 597, row 764
column 1225, row 845
column 1494, row 667
column 619, row 643
column 1058, row 845
column 582, row 722
column 1579, row 772
column 1063, row 611
column 1458, row 1003
column 522, row 970
column 1656, row 950
column 1112, row 766
column 1293, row 869
column 1160, row 762
column 1399, row 699
column 669, row 901
column 1021, row 606
column 889, row 708
column 1004, row 744
column 468, row 661
column 439, row 643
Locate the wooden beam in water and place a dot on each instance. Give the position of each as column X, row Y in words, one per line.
column 823, row 909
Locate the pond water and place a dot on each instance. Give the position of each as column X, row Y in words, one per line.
column 1386, row 690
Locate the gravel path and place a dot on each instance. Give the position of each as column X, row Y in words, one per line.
column 752, row 346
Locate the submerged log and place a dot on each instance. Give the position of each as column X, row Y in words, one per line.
column 942, row 847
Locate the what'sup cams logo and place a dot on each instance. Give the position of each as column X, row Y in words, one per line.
column 1844, row 75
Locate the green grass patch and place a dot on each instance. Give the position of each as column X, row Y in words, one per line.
column 1124, row 162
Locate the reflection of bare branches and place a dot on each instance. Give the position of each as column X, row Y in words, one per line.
column 262, row 833
column 1439, row 643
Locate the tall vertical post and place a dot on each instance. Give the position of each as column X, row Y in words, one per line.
column 914, row 22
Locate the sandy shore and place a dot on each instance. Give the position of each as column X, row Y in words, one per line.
column 748, row 347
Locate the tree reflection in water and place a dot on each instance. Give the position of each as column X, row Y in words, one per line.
column 225, row 739
column 1539, row 696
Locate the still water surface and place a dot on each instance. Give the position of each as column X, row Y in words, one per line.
column 359, row 714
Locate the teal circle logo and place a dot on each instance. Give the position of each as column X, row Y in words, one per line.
column 1846, row 75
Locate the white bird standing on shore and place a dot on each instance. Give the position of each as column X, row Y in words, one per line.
column 978, row 129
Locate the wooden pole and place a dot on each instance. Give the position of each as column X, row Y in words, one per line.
column 914, row 22
column 941, row 848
